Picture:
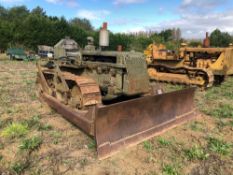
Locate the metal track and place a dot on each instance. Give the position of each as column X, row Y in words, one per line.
column 175, row 75
column 89, row 90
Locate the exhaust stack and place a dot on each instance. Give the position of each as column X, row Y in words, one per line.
column 104, row 36
column 206, row 42
column 119, row 48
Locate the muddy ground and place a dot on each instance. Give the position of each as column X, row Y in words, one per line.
column 45, row 143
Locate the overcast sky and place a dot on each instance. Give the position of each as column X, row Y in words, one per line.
column 194, row 17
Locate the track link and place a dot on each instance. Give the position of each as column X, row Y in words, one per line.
column 182, row 75
column 77, row 91
column 89, row 92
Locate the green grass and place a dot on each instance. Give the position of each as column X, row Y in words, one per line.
column 222, row 111
column 31, row 144
column 1, row 146
column 83, row 162
column 6, row 122
column 213, row 93
column 219, row 146
column 150, row 159
column 148, row 146
column 227, row 86
column 170, row 170
column 11, row 111
column 56, row 135
column 231, row 123
column 1, row 157
column 33, row 96
column 30, row 82
column 45, row 127
column 221, row 124
column 196, row 126
column 196, row 153
column 171, row 88
column 15, row 130
column 224, row 90
column 19, row 167
column 218, row 100
column 164, row 142
column 33, row 122
column 91, row 144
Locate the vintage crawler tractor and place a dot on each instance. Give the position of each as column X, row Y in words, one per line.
column 108, row 94
column 201, row 66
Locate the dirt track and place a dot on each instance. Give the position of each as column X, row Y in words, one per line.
column 66, row 150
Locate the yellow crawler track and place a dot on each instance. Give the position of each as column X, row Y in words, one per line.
column 182, row 75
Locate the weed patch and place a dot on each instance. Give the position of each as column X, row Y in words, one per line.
column 15, row 130
column 11, row 111
column 19, row 167
column 31, row 144
column 150, row 159
column 225, row 90
column 227, row 86
column 91, row 144
column 6, row 122
column 231, row 123
column 196, row 153
column 219, row 146
column 1, row 146
column 217, row 101
column 196, row 126
column 170, row 170
column 33, row 122
column 213, row 93
column 45, row 127
column 148, row 146
column 83, row 162
column 164, row 142
column 170, row 88
column 30, row 82
column 222, row 111
column 221, row 124
column 33, row 96
column 56, row 136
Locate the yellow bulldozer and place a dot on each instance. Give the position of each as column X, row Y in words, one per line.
column 200, row 66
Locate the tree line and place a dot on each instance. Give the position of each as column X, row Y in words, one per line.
column 21, row 27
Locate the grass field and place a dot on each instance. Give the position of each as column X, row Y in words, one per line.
column 36, row 140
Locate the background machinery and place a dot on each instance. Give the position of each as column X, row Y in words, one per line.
column 16, row 54
column 201, row 66
column 66, row 48
column 45, row 51
column 109, row 95
column 20, row 54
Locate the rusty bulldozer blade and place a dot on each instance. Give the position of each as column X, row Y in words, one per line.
column 130, row 122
